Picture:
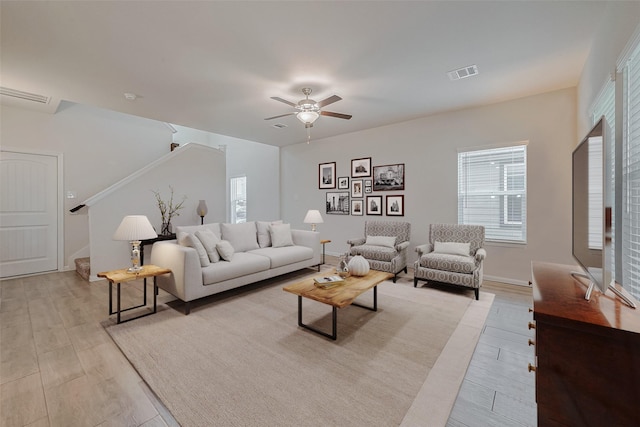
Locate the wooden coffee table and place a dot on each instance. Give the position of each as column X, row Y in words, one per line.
column 338, row 296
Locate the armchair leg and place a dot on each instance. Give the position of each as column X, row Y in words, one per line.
column 477, row 291
column 395, row 276
column 405, row 270
column 415, row 282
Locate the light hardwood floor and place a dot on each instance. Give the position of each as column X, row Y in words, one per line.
column 58, row 367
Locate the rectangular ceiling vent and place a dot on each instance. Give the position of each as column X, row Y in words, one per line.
column 27, row 96
column 280, row 125
column 463, row 73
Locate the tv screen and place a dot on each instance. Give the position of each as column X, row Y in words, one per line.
column 592, row 207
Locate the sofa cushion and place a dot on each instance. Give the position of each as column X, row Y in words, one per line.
column 373, row 252
column 193, row 242
column 386, row 241
column 280, row 235
column 285, row 255
column 209, row 241
column 264, row 238
column 452, row 248
column 183, row 230
column 225, row 250
column 446, row 262
column 242, row 236
column 243, row 263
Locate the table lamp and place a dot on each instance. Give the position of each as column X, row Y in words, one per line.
column 135, row 228
column 313, row 217
column 202, row 210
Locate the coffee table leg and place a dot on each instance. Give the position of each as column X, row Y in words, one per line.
column 334, row 319
column 118, row 302
column 375, row 301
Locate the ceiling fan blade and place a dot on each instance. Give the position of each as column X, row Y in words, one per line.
column 283, row 100
column 281, row 115
column 329, row 100
column 338, row 115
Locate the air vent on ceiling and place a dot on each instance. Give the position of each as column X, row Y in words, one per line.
column 280, row 125
column 28, row 96
column 463, row 73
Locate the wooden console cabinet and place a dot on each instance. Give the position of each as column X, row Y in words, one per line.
column 587, row 353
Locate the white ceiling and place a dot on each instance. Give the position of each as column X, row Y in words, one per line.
column 213, row 66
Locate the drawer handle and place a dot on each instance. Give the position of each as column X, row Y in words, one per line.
column 532, row 342
column 532, row 325
column 531, row 368
column 530, row 310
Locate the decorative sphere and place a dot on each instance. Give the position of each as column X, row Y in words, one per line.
column 358, row 266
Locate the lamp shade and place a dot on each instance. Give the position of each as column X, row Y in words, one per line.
column 202, row 208
column 313, row 217
column 307, row 116
column 135, row 227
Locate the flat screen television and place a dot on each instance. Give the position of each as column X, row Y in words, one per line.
column 593, row 200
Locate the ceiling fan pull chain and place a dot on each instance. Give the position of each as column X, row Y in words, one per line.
column 308, row 135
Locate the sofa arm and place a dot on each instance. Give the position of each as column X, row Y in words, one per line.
column 356, row 242
column 481, row 254
column 184, row 263
column 402, row 246
column 424, row 249
column 310, row 239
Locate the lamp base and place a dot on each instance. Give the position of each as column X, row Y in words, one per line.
column 313, row 227
column 135, row 269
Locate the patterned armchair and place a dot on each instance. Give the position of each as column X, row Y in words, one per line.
column 454, row 255
column 384, row 245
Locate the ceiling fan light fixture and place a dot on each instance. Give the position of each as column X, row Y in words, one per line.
column 307, row 117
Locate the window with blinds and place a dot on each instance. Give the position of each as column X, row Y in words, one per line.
column 238, row 199
column 492, row 191
column 631, row 174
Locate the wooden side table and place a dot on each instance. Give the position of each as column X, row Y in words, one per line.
column 323, row 242
column 122, row 276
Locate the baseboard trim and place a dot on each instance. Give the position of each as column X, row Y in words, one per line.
column 506, row 280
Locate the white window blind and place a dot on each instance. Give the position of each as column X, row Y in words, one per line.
column 238, row 199
column 631, row 175
column 492, row 191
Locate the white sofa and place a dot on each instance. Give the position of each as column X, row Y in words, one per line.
column 254, row 257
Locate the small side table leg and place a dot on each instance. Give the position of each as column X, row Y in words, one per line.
column 118, row 302
column 110, row 298
column 155, row 294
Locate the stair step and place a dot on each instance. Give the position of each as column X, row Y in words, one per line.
column 83, row 267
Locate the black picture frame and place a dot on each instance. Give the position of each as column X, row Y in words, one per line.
column 343, row 183
column 374, row 205
column 361, row 167
column 357, row 207
column 337, row 203
column 357, row 189
column 388, row 177
column 395, row 205
column 327, row 175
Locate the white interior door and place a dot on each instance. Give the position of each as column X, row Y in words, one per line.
column 28, row 213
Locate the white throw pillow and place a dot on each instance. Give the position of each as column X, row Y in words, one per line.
column 281, row 235
column 225, row 250
column 386, row 241
column 452, row 248
column 209, row 240
column 243, row 236
column 182, row 230
column 193, row 242
column 264, row 238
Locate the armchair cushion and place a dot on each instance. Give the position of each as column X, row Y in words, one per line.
column 373, row 252
column 386, row 241
column 447, row 262
column 452, row 248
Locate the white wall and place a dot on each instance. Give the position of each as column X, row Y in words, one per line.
column 427, row 147
column 194, row 170
column 259, row 162
column 616, row 27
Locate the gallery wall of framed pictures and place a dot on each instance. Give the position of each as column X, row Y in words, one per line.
column 356, row 193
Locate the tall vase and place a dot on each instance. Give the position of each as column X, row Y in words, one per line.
column 166, row 229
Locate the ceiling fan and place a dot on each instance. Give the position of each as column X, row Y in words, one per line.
column 308, row 110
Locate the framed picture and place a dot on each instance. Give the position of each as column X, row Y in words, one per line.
column 327, row 175
column 338, row 202
column 356, row 188
column 367, row 189
column 374, row 205
column 357, row 208
column 361, row 167
column 343, row 183
column 395, row 205
column 388, row 177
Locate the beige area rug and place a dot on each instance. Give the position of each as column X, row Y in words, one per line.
column 240, row 359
